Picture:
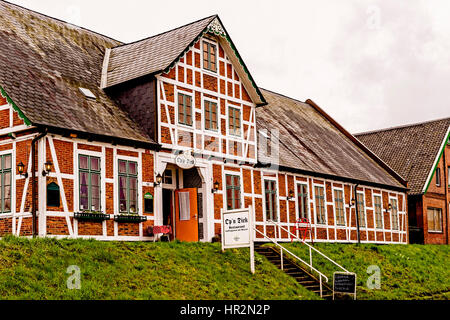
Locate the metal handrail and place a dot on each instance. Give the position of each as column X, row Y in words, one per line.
column 301, row 260
column 310, row 247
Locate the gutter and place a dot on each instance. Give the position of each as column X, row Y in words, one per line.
column 341, row 179
column 34, row 183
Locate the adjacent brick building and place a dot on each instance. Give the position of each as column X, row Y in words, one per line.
column 170, row 130
column 421, row 154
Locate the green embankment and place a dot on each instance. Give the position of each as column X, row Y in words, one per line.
column 37, row 269
column 407, row 271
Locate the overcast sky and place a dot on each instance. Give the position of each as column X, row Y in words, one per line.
column 369, row 64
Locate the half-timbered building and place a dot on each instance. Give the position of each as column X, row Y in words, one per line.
column 102, row 139
column 420, row 152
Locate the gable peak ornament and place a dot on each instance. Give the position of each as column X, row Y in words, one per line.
column 216, row 27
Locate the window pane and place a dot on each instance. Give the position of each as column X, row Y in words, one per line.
column 7, row 162
column 95, row 164
column 122, row 166
column 132, row 168
column 229, row 199
column 133, row 183
column 7, row 198
column 83, row 184
column 95, row 192
column 95, row 204
column 122, row 187
column 84, row 203
column 84, row 164
column 95, row 179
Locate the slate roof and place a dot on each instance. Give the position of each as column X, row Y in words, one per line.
column 44, row 61
column 310, row 142
column 154, row 54
column 410, row 150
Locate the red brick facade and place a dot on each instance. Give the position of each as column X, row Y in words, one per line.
column 437, row 196
column 221, row 153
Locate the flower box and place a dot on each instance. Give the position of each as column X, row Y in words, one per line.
column 91, row 216
column 129, row 218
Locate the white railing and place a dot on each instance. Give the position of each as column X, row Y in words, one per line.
column 321, row 275
column 311, row 249
column 309, row 246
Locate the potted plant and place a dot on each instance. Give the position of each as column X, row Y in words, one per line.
column 91, row 215
column 129, row 218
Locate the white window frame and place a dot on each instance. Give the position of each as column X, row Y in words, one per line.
column 204, row 68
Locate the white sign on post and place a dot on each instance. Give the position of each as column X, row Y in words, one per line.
column 237, row 231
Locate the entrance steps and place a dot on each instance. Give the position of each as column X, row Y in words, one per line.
column 291, row 268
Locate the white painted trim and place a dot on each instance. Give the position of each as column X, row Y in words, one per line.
column 435, row 162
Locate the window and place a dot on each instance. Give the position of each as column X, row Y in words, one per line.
column 339, row 207
column 211, row 116
column 438, row 177
column 184, row 109
column 270, row 192
column 320, row 205
column 448, row 175
column 128, row 195
column 89, row 170
column 234, row 121
column 394, row 214
column 361, row 209
column 168, row 176
column 378, row 212
column 233, row 186
column 5, row 183
column 53, row 196
column 434, row 216
column 148, row 203
column 209, row 56
column 302, row 198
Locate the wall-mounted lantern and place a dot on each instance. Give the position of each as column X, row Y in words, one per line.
column 216, row 187
column 352, row 202
column 158, row 179
column 21, row 170
column 47, row 168
column 291, row 195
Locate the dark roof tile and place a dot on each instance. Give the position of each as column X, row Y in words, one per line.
column 309, row 142
column 410, row 150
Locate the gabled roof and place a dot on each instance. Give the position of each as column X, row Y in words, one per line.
column 161, row 52
column 310, row 141
column 43, row 64
column 411, row 150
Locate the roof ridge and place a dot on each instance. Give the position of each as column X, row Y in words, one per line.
column 59, row 20
column 400, row 126
column 161, row 33
column 283, row 95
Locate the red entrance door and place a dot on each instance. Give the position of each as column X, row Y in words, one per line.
column 186, row 220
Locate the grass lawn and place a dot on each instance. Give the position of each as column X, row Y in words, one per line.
column 36, row 269
column 407, row 271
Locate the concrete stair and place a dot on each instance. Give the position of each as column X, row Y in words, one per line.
column 294, row 270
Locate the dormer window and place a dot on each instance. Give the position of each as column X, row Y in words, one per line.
column 209, row 56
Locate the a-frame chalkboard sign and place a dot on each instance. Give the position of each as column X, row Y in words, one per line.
column 344, row 283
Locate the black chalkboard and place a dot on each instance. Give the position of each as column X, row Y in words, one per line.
column 344, row 282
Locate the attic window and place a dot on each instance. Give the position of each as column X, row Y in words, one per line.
column 209, row 56
column 87, row 93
